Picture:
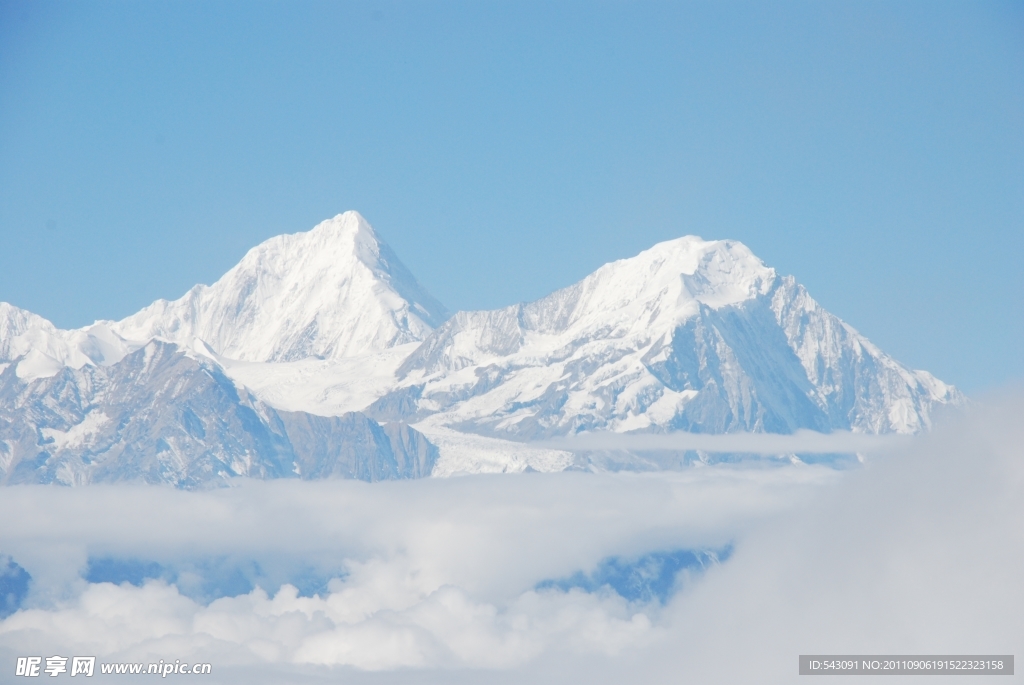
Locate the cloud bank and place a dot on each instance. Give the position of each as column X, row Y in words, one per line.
column 920, row 551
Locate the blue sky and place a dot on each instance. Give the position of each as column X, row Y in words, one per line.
column 873, row 150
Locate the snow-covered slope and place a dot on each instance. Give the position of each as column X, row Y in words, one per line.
column 689, row 335
column 333, row 292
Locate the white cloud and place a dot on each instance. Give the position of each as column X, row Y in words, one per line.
column 919, row 552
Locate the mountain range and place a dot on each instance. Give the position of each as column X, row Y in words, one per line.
column 320, row 355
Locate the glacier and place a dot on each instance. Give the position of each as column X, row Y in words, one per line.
column 320, row 355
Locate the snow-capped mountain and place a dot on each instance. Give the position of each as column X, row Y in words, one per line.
column 333, row 292
column 325, row 326
column 689, row 335
column 79, row 406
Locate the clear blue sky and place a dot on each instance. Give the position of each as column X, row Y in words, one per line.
column 505, row 149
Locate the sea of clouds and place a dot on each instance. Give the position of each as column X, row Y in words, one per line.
column 505, row 579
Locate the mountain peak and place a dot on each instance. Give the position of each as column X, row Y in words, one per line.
column 334, row 291
column 345, row 236
column 716, row 273
column 688, row 335
column 658, row 288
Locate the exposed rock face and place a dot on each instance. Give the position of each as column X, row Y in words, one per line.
column 161, row 415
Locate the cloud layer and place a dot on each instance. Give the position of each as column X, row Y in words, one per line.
column 920, row 551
